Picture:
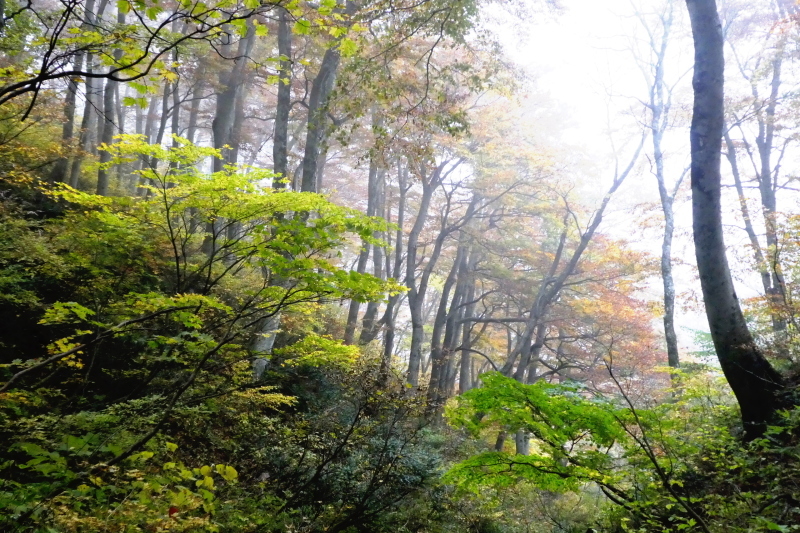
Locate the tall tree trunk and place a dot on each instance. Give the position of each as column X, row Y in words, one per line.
column 321, row 90
column 370, row 326
column 767, row 184
column 194, row 108
column 224, row 127
column 88, row 84
column 763, row 268
column 166, row 111
column 224, row 124
column 373, row 192
column 388, row 319
column 465, row 374
column 659, row 121
column 416, row 294
column 61, row 168
column 417, row 288
column 267, row 329
column 438, row 353
column 109, row 128
column 280, row 138
column 753, row 380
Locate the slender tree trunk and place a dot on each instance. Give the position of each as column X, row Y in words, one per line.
column 353, row 308
column 418, row 287
column 465, row 375
column 61, row 168
column 438, row 353
column 280, row 139
column 194, row 108
column 119, row 109
column 673, row 359
column 373, row 191
column 88, row 108
column 416, row 294
column 753, row 380
column 767, row 183
column 109, row 128
column 758, row 255
column 175, row 119
column 370, row 326
column 388, row 319
column 659, row 121
column 321, row 90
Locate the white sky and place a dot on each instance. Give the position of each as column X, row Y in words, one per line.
column 582, row 59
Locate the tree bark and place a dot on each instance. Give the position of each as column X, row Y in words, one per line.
column 753, row 380
column 61, row 169
column 439, row 353
column 388, row 319
column 194, row 109
column 416, row 292
column 465, row 374
column 370, row 326
column 659, row 120
column 224, row 126
column 280, row 139
column 321, row 90
column 109, row 128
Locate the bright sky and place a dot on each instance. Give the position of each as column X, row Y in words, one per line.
column 581, row 58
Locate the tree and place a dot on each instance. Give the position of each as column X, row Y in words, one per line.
column 661, row 36
column 760, row 126
column 753, row 380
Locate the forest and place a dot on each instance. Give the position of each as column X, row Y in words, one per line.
column 366, row 266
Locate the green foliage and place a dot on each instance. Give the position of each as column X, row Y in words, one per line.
column 570, row 432
column 139, row 314
column 151, row 490
column 673, row 467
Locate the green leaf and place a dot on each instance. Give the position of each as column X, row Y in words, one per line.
column 348, row 47
column 302, row 27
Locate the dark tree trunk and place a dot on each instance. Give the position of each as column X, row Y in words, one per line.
column 388, row 319
column 61, row 168
column 169, row 90
column 753, row 380
column 465, row 374
column 109, row 128
column 321, row 90
column 86, row 123
column 175, row 122
column 106, row 137
column 370, row 325
column 280, row 139
column 224, row 126
column 439, row 353
column 194, row 108
column 353, row 308
column 416, row 293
